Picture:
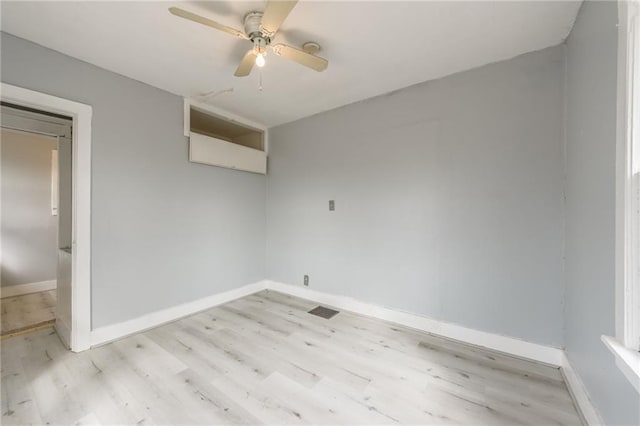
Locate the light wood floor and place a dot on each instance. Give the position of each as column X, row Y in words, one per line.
column 28, row 311
column 264, row 359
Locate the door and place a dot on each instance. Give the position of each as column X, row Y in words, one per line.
column 65, row 237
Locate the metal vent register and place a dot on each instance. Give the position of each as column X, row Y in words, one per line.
column 323, row 312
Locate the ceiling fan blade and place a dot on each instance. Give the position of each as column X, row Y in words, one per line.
column 244, row 69
column 275, row 14
column 208, row 22
column 308, row 60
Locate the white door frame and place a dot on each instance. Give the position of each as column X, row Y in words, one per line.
column 81, row 211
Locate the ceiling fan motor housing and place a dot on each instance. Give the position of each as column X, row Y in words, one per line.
column 252, row 27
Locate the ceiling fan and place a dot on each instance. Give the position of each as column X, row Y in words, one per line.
column 260, row 28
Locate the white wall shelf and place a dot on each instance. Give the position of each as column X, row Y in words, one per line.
column 217, row 152
column 222, row 139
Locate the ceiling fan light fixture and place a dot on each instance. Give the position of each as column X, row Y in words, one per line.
column 260, row 49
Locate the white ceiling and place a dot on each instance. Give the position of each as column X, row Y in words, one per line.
column 373, row 47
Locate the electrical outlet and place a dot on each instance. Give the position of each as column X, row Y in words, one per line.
column 306, row 280
column 332, row 205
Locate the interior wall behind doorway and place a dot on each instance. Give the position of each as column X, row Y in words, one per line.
column 28, row 228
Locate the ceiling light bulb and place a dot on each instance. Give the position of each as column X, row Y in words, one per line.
column 260, row 60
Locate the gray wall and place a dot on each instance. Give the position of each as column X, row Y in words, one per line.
column 164, row 231
column 448, row 199
column 29, row 231
column 590, row 223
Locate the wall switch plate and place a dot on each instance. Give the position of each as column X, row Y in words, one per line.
column 332, row 205
column 306, row 280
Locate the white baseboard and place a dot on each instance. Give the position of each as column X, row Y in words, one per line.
column 579, row 393
column 19, row 290
column 102, row 335
column 509, row 345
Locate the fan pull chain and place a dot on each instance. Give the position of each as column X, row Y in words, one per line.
column 260, row 84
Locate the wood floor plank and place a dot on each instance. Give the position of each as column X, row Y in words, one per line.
column 28, row 310
column 18, row 401
column 263, row 359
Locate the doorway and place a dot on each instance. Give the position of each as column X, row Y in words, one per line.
column 35, row 220
column 76, row 334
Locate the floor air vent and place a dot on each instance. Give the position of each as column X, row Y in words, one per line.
column 323, row 312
